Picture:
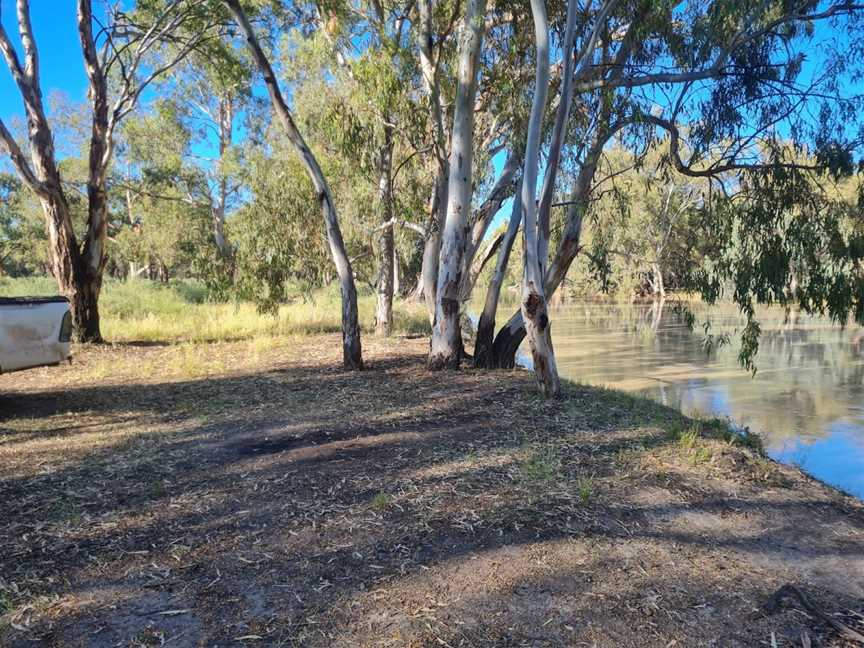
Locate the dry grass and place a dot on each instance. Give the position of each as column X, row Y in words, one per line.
column 144, row 311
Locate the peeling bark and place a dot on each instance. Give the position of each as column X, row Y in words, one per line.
column 351, row 349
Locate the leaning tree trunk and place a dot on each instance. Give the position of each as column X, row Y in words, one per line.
column 446, row 348
column 351, row 350
column 384, row 287
column 510, row 336
column 483, row 350
column 534, row 310
column 559, row 130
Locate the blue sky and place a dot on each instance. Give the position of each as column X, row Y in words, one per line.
column 60, row 62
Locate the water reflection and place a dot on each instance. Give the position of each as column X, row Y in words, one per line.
column 807, row 399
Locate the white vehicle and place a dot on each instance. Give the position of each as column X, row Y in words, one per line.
column 34, row 332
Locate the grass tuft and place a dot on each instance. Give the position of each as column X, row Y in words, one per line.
column 381, row 501
column 541, row 464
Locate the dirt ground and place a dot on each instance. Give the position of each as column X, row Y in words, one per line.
column 254, row 493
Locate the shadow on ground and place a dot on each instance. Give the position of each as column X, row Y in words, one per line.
column 304, row 505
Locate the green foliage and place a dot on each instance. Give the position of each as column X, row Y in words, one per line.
column 22, row 234
column 642, row 238
column 279, row 235
column 790, row 239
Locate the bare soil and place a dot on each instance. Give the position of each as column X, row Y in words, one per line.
column 254, row 493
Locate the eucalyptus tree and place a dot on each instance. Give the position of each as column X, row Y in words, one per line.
column 162, row 220
column 351, row 348
column 446, row 346
column 728, row 82
column 646, row 225
column 21, row 235
column 370, row 118
column 433, row 27
column 533, row 297
column 212, row 90
column 116, row 50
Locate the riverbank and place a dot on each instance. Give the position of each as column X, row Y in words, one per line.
column 253, row 492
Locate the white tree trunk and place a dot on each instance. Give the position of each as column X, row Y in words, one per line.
column 438, row 200
column 534, row 310
column 384, row 287
column 558, row 132
column 446, row 347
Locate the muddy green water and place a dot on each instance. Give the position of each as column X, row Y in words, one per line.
column 806, row 400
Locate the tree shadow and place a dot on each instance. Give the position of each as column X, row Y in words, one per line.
column 301, row 492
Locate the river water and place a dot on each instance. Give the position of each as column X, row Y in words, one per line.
column 806, row 400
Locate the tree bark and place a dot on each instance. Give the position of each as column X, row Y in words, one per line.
column 351, row 349
column 481, row 258
column 533, row 307
column 438, row 199
column 510, row 336
column 226, row 134
column 446, row 347
column 484, row 357
column 657, row 284
column 504, row 188
column 558, row 131
column 384, row 287
column 397, row 274
column 432, row 246
column 78, row 277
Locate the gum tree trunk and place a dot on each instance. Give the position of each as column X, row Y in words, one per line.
column 438, row 200
column 226, row 135
column 533, row 307
column 77, row 266
column 484, row 356
column 94, row 254
column 446, row 348
column 558, row 131
column 351, row 349
column 78, row 274
column 503, row 189
column 385, row 283
column 432, row 245
column 510, row 336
